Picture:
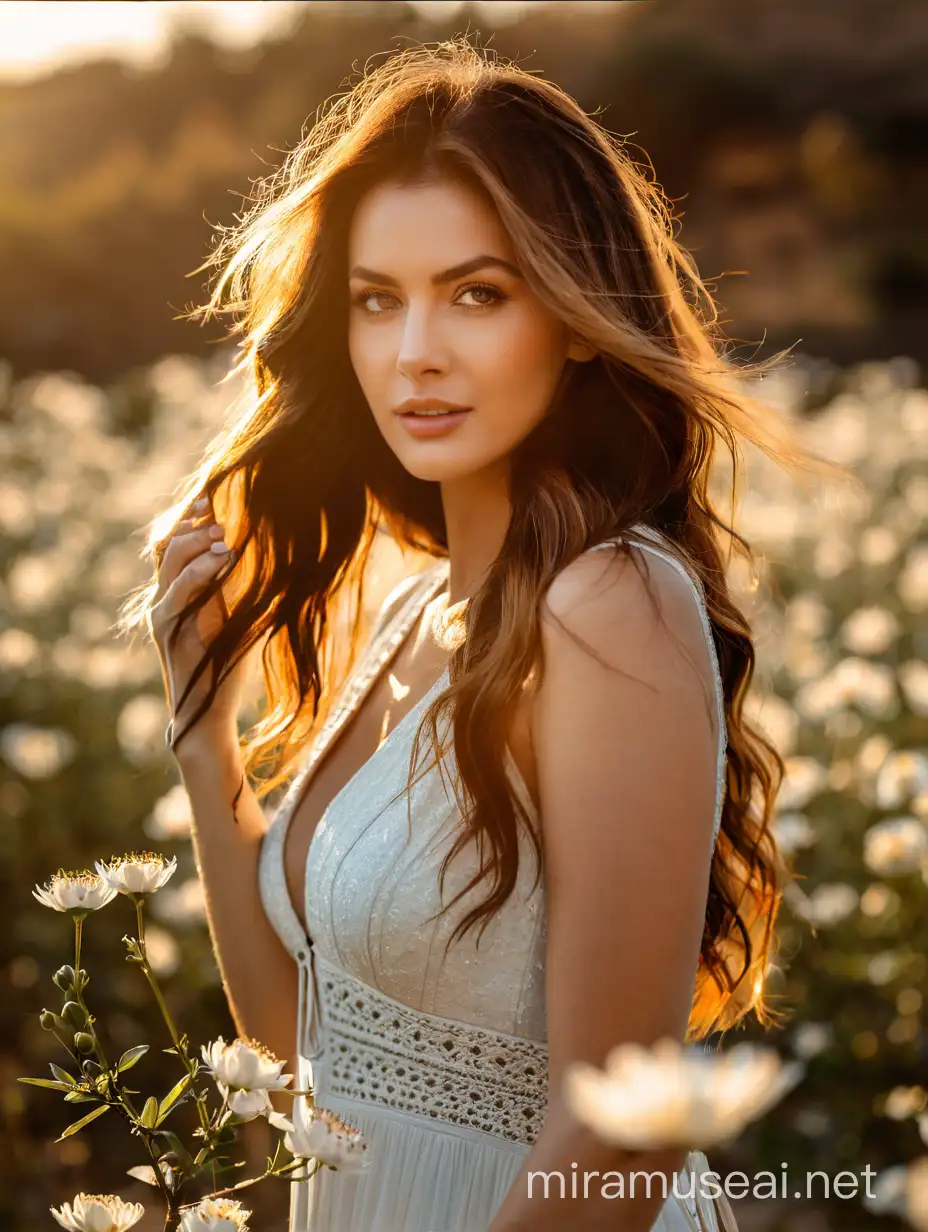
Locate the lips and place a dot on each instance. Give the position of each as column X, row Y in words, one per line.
column 435, row 414
column 428, row 403
column 426, row 426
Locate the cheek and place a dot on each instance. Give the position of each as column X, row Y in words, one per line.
column 524, row 360
column 363, row 355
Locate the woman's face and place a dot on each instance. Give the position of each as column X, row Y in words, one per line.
column 439, row 309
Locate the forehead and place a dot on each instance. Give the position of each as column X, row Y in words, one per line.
column 430, row 226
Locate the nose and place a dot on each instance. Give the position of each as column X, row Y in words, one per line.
column 422, row 348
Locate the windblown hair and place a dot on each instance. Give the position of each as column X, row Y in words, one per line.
column 302, row 479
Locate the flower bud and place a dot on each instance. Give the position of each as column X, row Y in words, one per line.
column 64, row 979
column 58, row 1027
column 83, row 1042
column 74, row 1016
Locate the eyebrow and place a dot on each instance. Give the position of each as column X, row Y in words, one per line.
column 485, row 261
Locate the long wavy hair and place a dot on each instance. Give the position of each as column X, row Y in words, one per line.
column 302, row 479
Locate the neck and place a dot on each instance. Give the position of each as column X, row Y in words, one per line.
column 477, row 513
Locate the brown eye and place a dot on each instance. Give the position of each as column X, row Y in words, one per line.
column 361, row 301
column 482, row 288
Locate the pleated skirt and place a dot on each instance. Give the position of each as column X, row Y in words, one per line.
column 429, row 1175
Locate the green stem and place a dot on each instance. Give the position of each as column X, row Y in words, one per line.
column 175, row 1038
column 225, row 1103
column 128, row 1108
column 79, row 994
column 290, row 1167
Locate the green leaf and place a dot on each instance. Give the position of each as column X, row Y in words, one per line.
column 130, row 1056
column 74, row 1096
column 172, row 1097
column 47, row 1082
column 175, row 1144
column 149, row 1112
column 79, row 1125
column 62, row 1075
column 144, row 1172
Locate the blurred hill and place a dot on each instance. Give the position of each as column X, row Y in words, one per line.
column 792, row 138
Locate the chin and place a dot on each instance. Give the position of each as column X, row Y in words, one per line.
column 436, row 469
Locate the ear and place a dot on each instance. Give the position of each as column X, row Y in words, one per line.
column 579, row 350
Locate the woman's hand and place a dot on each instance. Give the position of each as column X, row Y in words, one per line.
column 194, row 556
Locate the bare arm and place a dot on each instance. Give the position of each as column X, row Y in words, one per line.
column 258, row 975
column 626, row 768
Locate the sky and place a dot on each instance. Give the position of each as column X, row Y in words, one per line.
column 39, row 35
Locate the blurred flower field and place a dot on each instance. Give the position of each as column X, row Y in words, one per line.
column 839, row 604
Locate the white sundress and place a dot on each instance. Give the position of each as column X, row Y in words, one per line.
column 440, row 1061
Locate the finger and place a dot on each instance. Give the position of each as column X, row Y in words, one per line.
column 186, row 524
column 197, row 574
column 181, row 550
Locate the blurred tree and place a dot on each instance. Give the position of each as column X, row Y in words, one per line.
column 112, row 175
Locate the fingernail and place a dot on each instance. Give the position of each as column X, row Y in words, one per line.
column 202, row 503
column 216, row 532
column 219, row 548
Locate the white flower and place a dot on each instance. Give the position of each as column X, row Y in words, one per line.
column 904, row 1102
column 79, row 892
column 215, row 1215
column 279, row 1121
column 902, row 1191
column 896, row 847
column 98, row 1213
column 869, row 631
column 329, row 1140
column 247, row 1104
column 878, row 900
column 826, row 906
column 805, row 778
column 793, row 831
column 902, row 776
column 140, row 872
column 245, row 1065
column 37, row 753
column 885, row 967
column 913, row 678
column 675, row 1095
column 811, row 1038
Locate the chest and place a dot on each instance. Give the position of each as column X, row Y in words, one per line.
column 391, row 709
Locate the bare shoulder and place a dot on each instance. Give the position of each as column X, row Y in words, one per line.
column 628, row 608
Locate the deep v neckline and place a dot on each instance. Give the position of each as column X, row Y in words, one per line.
column 382, row 651
column 388, row 738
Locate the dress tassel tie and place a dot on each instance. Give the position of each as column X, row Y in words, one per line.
column 712, row 1214
column 309, row 1024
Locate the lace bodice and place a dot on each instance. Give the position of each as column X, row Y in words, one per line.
column 385, row 1012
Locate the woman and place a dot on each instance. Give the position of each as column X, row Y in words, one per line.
column 468, row 323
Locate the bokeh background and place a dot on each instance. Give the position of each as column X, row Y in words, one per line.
column 792, row 138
